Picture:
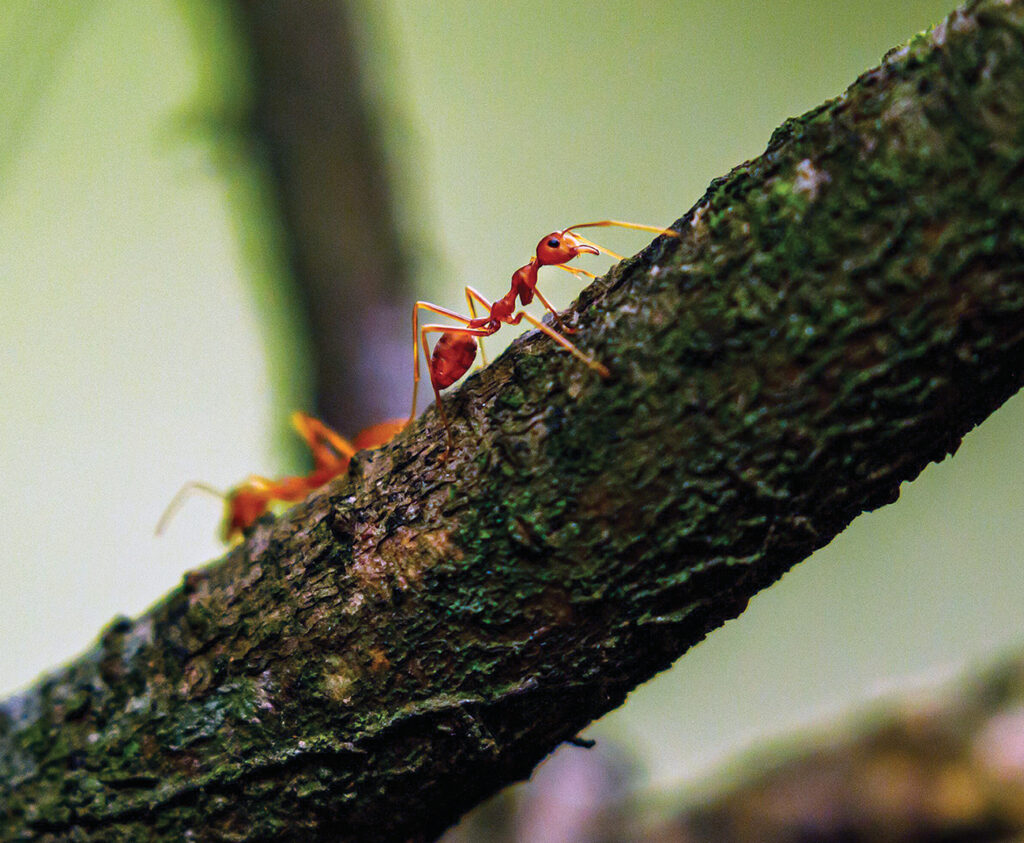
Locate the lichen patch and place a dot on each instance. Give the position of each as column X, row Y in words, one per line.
column 384, row 561
column 338, row 687
column 339, row 679
column 809, row 179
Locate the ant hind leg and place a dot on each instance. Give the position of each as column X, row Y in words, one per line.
column 440, row 311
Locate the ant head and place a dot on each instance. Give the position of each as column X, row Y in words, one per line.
column 243, row 507
column 561, row 247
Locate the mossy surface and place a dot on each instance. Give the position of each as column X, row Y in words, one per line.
column 836, row 314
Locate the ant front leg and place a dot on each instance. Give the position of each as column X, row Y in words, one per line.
column 598, row 367
column 577, row 271
column 558, row 317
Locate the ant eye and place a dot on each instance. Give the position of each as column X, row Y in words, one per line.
column 553, row 243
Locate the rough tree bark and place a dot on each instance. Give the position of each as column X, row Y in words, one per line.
column 836, row 314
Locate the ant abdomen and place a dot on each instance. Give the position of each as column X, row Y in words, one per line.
column 453, row 354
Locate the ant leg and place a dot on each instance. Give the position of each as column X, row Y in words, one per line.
column 446, row 329
column 473, row 296
column 555, row 313
column 600, row 368
column 575, row 270
column 437, row 392
column 440, row 311
column 315, row 434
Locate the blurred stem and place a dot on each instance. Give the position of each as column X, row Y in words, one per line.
column 943, row 765
column 311, row 114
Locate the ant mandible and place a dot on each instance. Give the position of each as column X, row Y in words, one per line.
column 455, row 350
column 332, row 453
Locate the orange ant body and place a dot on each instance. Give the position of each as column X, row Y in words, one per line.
column 332, row 453
column 455, row 350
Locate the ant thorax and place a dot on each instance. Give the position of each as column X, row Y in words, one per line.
column 524, row 280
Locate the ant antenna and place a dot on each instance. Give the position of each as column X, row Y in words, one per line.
column 668, row 232
column 634, row 225
column 176, row 502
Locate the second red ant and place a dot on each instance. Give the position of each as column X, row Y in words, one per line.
column 247, row 502
column 455, row 350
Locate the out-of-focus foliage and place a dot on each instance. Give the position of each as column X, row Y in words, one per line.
column 946, row 764
column 134, row 308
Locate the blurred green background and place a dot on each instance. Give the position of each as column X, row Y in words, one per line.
column 150, row 331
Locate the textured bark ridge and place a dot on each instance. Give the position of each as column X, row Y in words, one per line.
column 836, row 314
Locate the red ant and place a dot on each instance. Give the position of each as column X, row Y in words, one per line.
column 332, row 453
column 455, row 350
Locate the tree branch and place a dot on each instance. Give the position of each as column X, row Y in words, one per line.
column 837, row 313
